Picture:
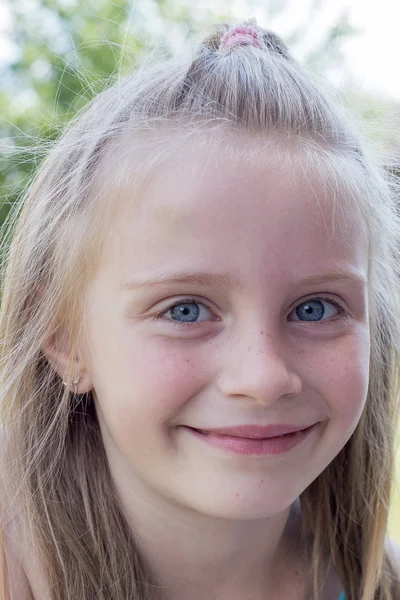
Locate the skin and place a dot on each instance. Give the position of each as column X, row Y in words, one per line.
column 211, row 522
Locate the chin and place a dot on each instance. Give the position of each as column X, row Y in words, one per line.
column 241, row 505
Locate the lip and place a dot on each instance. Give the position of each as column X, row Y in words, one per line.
column 255, row 432
column 254, row 439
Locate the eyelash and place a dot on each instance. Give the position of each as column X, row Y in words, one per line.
column 192, row 300
column 188, row 300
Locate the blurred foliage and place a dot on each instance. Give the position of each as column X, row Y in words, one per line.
column 67, row 51
column 65, row 56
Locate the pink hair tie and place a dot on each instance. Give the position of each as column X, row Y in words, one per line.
column 246, row 35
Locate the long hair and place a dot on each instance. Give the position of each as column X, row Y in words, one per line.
column 54, row 463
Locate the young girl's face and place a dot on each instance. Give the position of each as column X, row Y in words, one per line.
column 228, row 296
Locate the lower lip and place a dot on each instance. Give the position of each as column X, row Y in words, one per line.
column 247, row 446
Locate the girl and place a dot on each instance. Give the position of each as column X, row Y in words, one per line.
column 200, row 344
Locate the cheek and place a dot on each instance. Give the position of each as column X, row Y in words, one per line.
column 341, row 376
column 146, row 378
column 166, row 374
column 153, row 382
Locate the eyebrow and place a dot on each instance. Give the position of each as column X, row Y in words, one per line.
column 213, row 279
column 351, row 276
column 222, row 280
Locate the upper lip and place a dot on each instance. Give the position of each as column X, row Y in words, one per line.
column 255, row 431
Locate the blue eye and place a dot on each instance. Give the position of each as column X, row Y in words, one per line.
column 316, row 309
column 187, row 312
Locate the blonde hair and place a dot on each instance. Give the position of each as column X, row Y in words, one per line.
column 55, row 464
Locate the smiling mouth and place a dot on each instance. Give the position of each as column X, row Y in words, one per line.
column 255, row 432
column 242, row 437
column 252, row 440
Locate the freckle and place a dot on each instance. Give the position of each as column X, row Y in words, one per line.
column 262, row 481
column 262, row 333
column 237, row 494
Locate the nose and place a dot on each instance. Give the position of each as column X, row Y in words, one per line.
column 258, row 369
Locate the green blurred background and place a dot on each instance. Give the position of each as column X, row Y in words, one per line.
column 57, row 54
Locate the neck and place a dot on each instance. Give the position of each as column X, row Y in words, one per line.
column 196, row 556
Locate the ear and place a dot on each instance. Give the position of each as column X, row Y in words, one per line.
column 70, row 366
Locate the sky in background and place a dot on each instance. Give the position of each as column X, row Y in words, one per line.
column 371, row 57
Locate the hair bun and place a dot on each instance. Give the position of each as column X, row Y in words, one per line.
column 240, row 35
column 226, row 37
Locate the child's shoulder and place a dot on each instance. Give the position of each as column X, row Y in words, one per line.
column 12, row 572
column 15, row 577
column 23, row 575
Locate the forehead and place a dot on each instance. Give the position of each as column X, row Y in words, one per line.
column 258, row 203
